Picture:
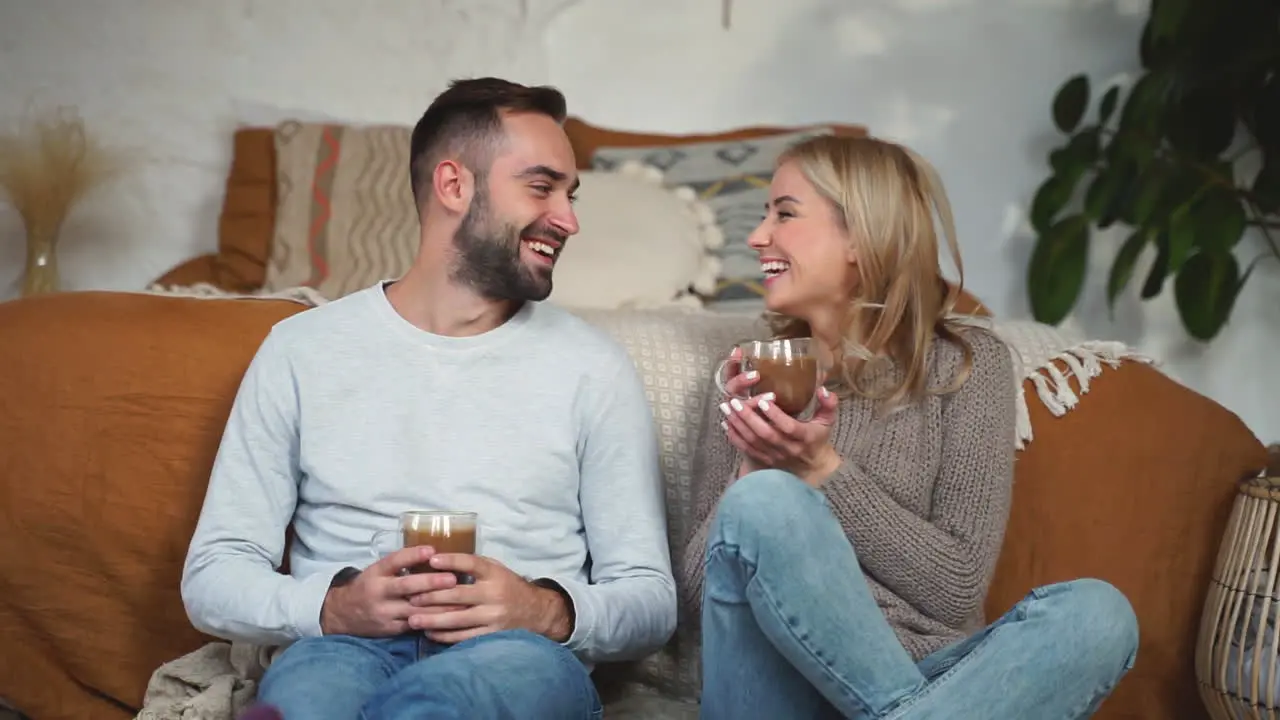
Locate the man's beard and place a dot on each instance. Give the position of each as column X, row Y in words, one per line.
column 489, row 255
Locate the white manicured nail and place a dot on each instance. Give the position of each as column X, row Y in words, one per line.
column 736, row 405
column 752, row 375
column 764, row 401
column 724, row 408
column 724, row 426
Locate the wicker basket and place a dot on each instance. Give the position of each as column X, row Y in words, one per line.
column 1238, row 651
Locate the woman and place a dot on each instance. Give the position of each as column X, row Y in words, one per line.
column 839, row 565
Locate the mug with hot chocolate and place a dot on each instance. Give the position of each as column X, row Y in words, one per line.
column 789, row 368
column 445, row 531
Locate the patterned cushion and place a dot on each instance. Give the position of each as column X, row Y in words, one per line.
column 733, row 178
column 345, row 216
column 675, row 352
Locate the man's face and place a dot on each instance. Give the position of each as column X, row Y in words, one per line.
column 520, row 215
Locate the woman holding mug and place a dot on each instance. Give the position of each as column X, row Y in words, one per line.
column 839, row 563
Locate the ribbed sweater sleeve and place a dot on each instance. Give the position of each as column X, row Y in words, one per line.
column 940, row 564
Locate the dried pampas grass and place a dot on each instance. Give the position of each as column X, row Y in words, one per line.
column 48, row 163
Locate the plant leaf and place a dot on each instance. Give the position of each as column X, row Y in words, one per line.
column 1201, row 123
column 1049, row 200
column 1205, row 291
column 1150, row 186
column 1056, row 272
column 1144, row 105
column 1219, row 219
column 1069, row 103
column 1122, row 266
column 1108, row 105
column 1103, row 198
column 1266, row 185
column 1159, row 269
column 1182, row 236
column 1166, row 18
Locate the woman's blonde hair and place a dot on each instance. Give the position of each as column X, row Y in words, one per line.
column 886, row 197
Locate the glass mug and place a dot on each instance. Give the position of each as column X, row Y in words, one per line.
column 448, row 531
column 789, row 368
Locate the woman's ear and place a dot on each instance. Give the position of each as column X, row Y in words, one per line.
column 850, row 254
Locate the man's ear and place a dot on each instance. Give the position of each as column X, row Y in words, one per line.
column 453, row 185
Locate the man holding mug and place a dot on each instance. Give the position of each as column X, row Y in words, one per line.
column 451, row 392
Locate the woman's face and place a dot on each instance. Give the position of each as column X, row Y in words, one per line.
column 808, row 261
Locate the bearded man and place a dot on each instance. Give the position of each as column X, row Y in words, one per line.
column 452, row 387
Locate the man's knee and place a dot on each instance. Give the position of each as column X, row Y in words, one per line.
column 499, row 673
column 325, row 676
column 519, row 653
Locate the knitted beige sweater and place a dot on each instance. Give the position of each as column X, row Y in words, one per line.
column 923, row 495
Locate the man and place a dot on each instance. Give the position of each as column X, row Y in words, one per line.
column 451, row 388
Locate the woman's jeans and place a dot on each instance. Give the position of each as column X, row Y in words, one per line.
column 790, row 630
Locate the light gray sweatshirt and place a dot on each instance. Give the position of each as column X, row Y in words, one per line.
column 348, row 415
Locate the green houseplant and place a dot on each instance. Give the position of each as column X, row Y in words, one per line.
column 1172, row 162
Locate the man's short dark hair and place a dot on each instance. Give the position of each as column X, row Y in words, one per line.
column 465, row 121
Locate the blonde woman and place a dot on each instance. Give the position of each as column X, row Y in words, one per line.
column 839, row 565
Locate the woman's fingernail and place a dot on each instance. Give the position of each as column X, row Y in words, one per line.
column 752, row 375
column 724, row 426
column 764, row 401
column 724, row 408
column 736, row 405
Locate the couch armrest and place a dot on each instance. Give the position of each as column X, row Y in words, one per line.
column 1133, row 486
column 112, row 407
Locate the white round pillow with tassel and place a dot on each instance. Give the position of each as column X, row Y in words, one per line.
column 640, row 244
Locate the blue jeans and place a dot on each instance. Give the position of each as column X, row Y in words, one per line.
column 790, row 629
column 510, row 674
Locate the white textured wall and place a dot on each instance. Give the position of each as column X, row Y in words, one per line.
column 967, row 82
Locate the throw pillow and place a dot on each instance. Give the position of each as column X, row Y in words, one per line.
column 733, row 178
column 640, row 244
column 345, row 216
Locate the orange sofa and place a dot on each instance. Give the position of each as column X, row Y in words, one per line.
column 112, row 407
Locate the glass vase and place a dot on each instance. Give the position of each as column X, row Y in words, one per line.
column 42, row 264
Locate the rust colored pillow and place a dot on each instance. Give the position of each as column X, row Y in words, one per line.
column 248, row 218
column 1133, row 486
column 111, row 411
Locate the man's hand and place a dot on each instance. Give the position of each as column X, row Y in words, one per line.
column 376, row 603
column 498, row 600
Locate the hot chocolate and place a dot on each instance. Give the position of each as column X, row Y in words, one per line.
column 446, row 539
column 789, row 368
column 793, row 381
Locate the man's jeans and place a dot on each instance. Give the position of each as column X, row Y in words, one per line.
column 510, row 674
column 790, row 629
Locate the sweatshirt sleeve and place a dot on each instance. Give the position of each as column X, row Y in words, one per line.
column 943, row 564
column 714, row 468
column 230, row 584
column 629, row 607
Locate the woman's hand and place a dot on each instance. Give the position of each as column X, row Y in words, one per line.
column 769, row 438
